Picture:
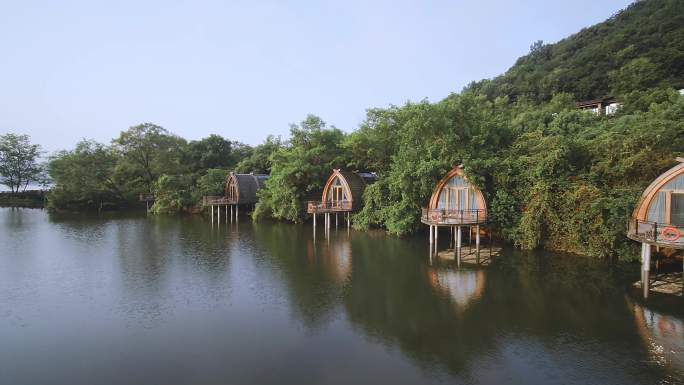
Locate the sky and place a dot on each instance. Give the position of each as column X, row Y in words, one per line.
column 246, row 69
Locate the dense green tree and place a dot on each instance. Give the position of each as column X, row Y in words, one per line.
column 172, row 193
column 213, row 151
column 84, row 177
column 258, row 160
column 299, row 169
column 148, row 151
column 212, row 182
column 19, row 165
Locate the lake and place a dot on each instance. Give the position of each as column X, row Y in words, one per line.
column 130, row 299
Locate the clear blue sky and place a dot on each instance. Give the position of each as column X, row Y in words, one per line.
column 246, row 69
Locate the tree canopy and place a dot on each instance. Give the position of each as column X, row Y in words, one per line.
column 19, row 165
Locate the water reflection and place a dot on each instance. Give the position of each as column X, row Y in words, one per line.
column 460, row 286
column 663, row 335
column 166, row 298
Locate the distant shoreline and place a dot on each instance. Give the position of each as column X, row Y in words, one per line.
column 28, row 199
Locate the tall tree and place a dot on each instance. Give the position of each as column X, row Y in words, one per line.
column 19, row 165
column 213, row 151
column 149, row 151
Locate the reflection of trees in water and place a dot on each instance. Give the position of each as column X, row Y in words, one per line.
column 396, row 298
column 147, row 251
column 313, row 274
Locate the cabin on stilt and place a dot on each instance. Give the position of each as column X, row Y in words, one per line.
column 342, row 194
column 658, row 219
column 457, row 205
column 239, row 190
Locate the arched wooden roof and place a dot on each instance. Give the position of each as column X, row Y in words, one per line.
column 354, row 182
column 247, row 186
column 456, row 171
column 648, row 196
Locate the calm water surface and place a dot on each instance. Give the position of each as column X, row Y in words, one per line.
column 134, row 300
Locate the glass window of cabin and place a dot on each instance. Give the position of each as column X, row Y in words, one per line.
column 457, row 195
column 337, row 194
column 677, row 209
column 232, row 189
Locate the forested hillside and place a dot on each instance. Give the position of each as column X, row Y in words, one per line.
column 636, row 49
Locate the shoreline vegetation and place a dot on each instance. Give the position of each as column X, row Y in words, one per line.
column 27, row 199
column 554, row 176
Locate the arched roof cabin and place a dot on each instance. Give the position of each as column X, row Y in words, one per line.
column 455, row 201
column 658, row 218
column 342, row 192
column 242, row 188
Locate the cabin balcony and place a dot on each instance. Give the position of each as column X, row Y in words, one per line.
column 318, row 207
column 217, row 201
column 659, row 234
column 443, row 217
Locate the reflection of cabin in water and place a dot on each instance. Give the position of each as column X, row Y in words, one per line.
column 239, row 190
column 460, row 286
column 663, row 336
column 455, row 204
column 342, row 193
column 658, row 219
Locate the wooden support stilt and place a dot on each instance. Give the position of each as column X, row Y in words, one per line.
column 237, row 212
column 431, row 237
column 226, row 214
column 477, row 243
column 645, row 267
column 458, row 245
column 336, row 224
column 212, row 214
column 451, row 236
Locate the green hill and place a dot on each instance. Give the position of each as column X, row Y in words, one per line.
column 640, row 47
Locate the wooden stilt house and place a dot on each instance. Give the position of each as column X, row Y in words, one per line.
column 239, row 190
column 658, row 219
column 456, row 204
column 342, row 193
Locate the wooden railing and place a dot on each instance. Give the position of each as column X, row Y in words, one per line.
column 653, row 232
column 314, row 207
column 217, row 200
column 453, row 217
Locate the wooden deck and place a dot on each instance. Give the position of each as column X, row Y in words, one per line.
column 469, row 255
column 318, row 207
column 441, row 217
column 666, row 283
column 217, row 201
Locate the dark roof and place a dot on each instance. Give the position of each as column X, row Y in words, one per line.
column 248, row 185
column 595, row 102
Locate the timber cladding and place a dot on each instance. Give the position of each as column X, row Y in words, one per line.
column 353, row 182
column 244, row 187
